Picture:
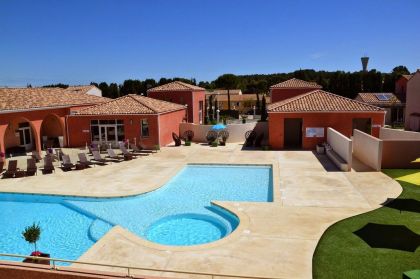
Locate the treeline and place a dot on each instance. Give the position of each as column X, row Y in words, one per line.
column 347, row 84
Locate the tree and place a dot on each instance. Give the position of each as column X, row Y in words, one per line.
column 32, row 234
column 400, row 70
column 228, row 82
column 264, row 114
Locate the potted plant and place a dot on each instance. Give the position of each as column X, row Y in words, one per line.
column 157, row 147
column 244, row 117
column 187, row 143
column 32, row 234
column 320, row 148
column 214, row 143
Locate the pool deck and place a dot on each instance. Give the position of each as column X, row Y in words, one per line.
column 273, row 240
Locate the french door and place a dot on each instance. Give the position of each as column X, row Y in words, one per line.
column 108, row 134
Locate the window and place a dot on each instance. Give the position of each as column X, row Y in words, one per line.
column 144, row 128
column 107, row 130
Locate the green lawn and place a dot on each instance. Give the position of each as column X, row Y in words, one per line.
column 342, row 254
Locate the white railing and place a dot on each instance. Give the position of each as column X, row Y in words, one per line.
column 129, row 269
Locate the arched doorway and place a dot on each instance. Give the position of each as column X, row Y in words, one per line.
column 52, row 132
column 19, row 137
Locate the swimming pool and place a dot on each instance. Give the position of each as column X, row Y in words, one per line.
column 179, row 213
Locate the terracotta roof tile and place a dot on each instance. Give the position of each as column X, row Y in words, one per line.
column 372, row 99
column 320, row 101
column 79, row 88
column 296, row 83
column 34, row 98
column 176, row 86
column 131, row 104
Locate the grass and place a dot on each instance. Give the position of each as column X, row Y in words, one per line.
column 342, row 254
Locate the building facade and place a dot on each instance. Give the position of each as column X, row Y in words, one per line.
column 301, row 122
column 35, row 118
column 137, row 119
column 191, row 96
column 412, row 106
column 291, row 88
column 394, row 108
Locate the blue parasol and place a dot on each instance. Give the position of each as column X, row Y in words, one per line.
column 218, row 127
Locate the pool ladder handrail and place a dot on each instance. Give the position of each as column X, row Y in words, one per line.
column 129, row 269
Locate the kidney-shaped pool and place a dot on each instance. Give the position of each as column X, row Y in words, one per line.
column 180, row 213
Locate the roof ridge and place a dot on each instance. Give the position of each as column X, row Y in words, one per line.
column 135, row 96
column 345, row 98
column 286, row 101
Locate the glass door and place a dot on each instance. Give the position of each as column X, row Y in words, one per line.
column 108, row 134
column 25, row 138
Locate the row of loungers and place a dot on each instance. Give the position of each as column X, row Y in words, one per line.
column 67, row 165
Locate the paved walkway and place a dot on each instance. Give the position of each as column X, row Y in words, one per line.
column 274, row 240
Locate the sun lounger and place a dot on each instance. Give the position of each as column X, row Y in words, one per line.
column 12, row 169
column 48, row 165
column 59, row 153
column 97, row 158
column 127, row 154
column 67, row 165
column 113, row 156
column 140, row 150
column 35, row 155
column 31, row 168
column 84, row 161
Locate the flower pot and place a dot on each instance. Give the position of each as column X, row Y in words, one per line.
column 320, row 149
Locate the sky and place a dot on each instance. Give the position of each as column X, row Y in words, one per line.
column 79, row 41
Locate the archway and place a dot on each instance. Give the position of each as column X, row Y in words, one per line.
column 19, row 137
column 52, row 132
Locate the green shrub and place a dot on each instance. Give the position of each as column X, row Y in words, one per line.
column 32, row 234
column 187, row 143
column 214, row 144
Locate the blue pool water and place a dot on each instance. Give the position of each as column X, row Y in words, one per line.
column 179, row 213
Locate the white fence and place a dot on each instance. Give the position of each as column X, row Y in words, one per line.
column 342, row 146
column 368, row 149
column 236, row 131
column 392, row 134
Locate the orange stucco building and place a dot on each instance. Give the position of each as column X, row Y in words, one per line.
column 191, row 96
column 301, row 122
column 138, row 119
column 38, row 118
column 291, row 88
column 35, row 118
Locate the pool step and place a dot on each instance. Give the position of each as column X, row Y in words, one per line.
column 98, row 229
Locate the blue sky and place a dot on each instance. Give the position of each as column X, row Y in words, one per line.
column 79, row 41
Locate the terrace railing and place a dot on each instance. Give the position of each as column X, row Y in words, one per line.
column 128, row 270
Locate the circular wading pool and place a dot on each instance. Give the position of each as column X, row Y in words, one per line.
column 186, row 229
